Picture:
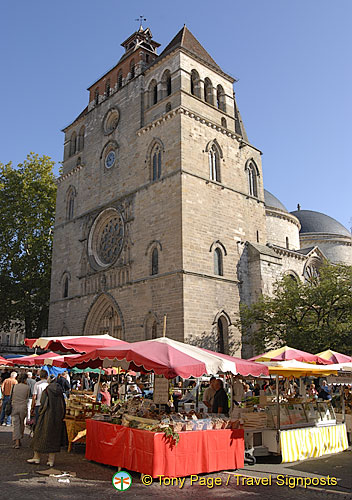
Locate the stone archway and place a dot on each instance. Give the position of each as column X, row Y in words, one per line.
column 104, row 317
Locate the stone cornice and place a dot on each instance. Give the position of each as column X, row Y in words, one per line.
column 282, row 215
column 63, row 177
column 287, row 252
column 325, row 237
column 199, row 118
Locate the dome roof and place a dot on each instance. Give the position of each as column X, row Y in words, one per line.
column 316, row 222
column 272, row 201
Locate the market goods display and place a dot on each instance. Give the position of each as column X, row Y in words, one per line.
column 143, row 414
column 81, row 405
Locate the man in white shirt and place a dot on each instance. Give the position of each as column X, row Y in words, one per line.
column 38, row 391
column 209, row 393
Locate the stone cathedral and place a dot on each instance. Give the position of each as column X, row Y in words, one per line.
column 161, row 208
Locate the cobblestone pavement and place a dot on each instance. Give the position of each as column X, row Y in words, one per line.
column 20, row 480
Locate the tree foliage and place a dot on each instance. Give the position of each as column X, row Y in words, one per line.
column 311, row 316
column 27, row 211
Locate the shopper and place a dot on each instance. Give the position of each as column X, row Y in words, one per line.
column 19, row 401
column 63, row 382
column 38, row 391
column 31, row 384
column 221, row 401
column 6, row 388
column 104, row 395
column 247, row 392
column 49, row 433
column 209, row 393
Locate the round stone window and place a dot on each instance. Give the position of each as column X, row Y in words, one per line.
column 106, row 238
column 110, row 121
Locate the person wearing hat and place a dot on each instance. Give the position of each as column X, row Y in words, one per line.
column 6, row 389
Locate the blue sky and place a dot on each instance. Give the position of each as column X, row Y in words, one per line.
column 292, row 60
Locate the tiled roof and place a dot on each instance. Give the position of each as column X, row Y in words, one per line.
column 186, row 40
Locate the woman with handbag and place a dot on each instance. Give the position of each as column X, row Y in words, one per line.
column 19, row 401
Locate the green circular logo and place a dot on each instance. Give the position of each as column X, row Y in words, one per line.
column 122, row 481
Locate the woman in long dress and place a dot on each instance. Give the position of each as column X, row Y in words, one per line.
column 19, row 400
column 49, row 433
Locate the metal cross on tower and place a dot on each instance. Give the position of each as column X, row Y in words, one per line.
column 140, row 21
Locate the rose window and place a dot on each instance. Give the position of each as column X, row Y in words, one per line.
column 110, row 241
column 106, row 238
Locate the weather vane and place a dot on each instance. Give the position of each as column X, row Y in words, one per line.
column 140, row 20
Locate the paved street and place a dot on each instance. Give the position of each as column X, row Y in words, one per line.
column 20, row 480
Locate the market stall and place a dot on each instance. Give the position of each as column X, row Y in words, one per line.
column 142, row 435
column 295, row 427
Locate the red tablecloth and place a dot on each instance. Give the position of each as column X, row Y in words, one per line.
column 149, row 453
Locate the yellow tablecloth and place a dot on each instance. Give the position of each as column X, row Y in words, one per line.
column 299, row 444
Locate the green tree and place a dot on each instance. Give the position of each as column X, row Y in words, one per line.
column 311, row 316
column 27, row 211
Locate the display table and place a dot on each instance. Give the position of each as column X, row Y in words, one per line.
column 73, row 427
column 150, row 453
column 307, row 442
column 299, row 444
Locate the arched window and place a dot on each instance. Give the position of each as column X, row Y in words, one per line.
column 220, row 98
column 223, row 335
column 107, row 88
column 119, row 79
column 195, row 83
column 214, row 164
column 73, row 143
column 155, row 261
column 156, row 162
column 65, row 288
column 155, row 330
column 208, row 91
column 81, row 139
column 166, row 84
column 132, row 69
column 153, row 93
column 223, row 122
column 70, row 203
column 218, row 264
column 96, row 96
column 252, row 177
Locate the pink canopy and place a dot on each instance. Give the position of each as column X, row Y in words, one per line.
column 74, row 344
column 167, row 357
column 4, row 361
column 33, row 360
column 287, row 353
column 335, row 357
column 61, row 361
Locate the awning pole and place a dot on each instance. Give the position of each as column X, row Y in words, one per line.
column 277, row 404
column 343, row 404
column 164, row 327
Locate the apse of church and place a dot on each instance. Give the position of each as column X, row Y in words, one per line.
column 160, row 206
